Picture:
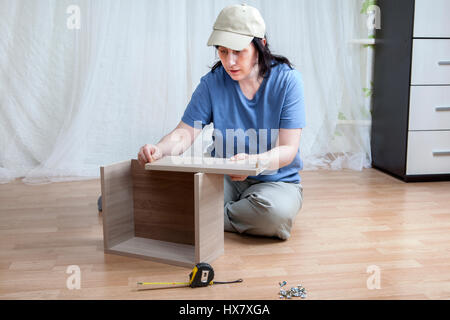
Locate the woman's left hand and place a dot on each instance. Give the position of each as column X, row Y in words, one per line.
column 239, row 157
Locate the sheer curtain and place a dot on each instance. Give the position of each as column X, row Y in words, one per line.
column 72, row 100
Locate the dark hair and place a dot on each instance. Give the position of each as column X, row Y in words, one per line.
column 265, row 58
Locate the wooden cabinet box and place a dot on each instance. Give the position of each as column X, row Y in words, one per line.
column 168, row 212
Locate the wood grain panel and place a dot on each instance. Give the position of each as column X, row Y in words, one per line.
column 160, row 251
column 208, row 217
column 163, row 205
column 117, row 203
column 206, row 165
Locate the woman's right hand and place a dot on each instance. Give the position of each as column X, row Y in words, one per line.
column 148, row 154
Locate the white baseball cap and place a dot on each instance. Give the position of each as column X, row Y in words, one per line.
column 236, row 26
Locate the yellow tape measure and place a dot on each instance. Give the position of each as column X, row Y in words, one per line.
column 201, row 276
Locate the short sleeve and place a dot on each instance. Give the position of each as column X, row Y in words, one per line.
column 199, row 108
column 293, row 109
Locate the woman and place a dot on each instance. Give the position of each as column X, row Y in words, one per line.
column 248, row 89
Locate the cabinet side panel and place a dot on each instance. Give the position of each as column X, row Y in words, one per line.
column 391, row 86
column 209, row 232
column 163, row 205
column 117, row 203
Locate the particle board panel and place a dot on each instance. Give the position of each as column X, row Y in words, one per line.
column 209, row 234
column 163, row 205
column 155, row 250
column 117, row 203
column 206, row 165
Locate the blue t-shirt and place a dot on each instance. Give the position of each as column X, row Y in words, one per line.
column 252, row 124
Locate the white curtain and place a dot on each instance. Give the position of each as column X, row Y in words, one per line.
column 72, row 100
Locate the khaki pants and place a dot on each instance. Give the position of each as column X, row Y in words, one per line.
column 261, row 208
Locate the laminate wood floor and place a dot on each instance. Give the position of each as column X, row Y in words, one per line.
column 351, row 222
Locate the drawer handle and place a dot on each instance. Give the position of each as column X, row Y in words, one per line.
column 441, row 153
column 444, row 63
column 442, row 108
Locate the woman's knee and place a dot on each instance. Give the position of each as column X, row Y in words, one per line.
column 274, row 219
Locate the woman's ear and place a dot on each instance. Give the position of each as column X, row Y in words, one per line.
column 264, row 41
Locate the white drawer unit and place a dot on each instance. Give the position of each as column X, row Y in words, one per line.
column 431, row 61
column 429, row 108
column 428, row 152
column 410, row 133
column 431, row 19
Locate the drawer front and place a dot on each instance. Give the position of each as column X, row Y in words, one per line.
column 428, row 152
column 430, row 61
column 431, row 18
column 429, row 108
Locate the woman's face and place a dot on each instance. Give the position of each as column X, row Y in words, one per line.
column 239, row 64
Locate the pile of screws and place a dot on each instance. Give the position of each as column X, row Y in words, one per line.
column 298, row 291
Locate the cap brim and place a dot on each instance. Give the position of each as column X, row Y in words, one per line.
column 233, row 41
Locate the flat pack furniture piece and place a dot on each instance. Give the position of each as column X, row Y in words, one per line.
column 169, row 212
